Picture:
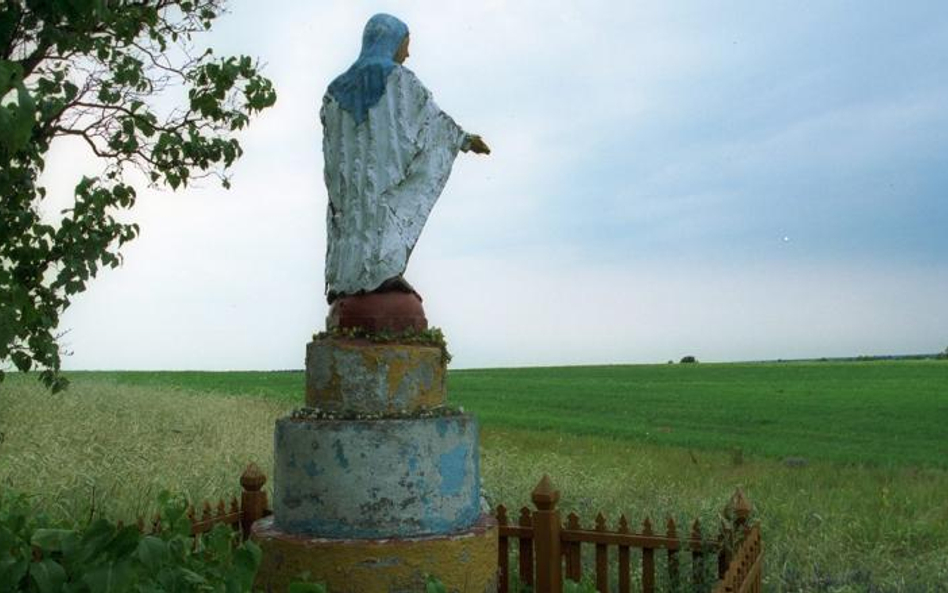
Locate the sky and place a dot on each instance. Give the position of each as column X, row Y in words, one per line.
column 728, row 180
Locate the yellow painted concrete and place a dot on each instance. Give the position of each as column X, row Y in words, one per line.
column 465, row 563
column 405, row 366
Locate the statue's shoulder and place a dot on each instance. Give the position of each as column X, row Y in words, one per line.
column 402, row 72
column 404, row 77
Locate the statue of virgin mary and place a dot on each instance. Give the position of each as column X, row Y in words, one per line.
column 388, row 152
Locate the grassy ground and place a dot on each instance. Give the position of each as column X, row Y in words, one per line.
column 881, row 413
column 878, row 522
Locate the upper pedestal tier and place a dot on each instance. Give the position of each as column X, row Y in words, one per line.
column 359, row 376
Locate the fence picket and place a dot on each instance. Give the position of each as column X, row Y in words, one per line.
column 624, row 585
column 648, row 560
column 602, row 558
column 503, row 551
column 574, row 558
column 674, row 575
column 697, row 557
column 723, row 549
column 526, row 549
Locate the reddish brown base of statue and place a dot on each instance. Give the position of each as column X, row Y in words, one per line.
column 378, row 311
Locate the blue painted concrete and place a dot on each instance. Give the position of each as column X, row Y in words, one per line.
column 452, row 469
column 376, row 478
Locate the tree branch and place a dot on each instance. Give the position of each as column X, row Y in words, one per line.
column 35, row 58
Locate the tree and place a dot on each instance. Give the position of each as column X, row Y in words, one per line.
column 102, row 71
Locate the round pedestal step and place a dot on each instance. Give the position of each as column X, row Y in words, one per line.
column 463, row 562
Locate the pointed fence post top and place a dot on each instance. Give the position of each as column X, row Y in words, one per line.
column 740, row 506
column 544, row 496
column 252, row 480
column 501, row 514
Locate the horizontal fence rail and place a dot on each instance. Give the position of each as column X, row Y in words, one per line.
column 549, row 551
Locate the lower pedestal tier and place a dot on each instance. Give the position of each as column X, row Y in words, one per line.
column 376, row 478
column 464, row 562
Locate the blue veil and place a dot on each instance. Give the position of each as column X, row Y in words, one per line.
column 363, row 84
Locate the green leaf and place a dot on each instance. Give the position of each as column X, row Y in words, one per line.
column 48, row 575
column 114, row 577
column 17, row 120
column 433, row 585
column 12, row 572
column 192, row 577
column 124, row 543
column 246, row 561
column 70, row 90
column 153, row 552
column 96, row 538
column 22, row 360
column 11, row 73
column 51, row 540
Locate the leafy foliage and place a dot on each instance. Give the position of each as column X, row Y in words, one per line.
column 36, row 555
column 101, row 71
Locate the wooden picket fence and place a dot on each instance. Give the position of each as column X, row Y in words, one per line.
column 253, row 505
column 548, row 550
column 744, row 571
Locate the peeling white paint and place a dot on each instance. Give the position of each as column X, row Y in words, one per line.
column 383, row 176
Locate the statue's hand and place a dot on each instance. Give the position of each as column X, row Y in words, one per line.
column 477, row 145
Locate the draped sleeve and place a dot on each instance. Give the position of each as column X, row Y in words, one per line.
column 383, row 177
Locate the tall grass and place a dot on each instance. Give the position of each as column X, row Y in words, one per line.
column 108, row 448
column 827, row 526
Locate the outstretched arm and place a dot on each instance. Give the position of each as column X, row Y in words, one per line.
column 474, row 143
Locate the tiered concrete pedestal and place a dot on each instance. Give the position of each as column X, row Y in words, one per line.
column 376, row 484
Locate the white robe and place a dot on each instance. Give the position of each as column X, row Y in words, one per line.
column 383, row 177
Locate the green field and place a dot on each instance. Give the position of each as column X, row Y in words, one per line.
column 867, row 511
column 879, row 413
